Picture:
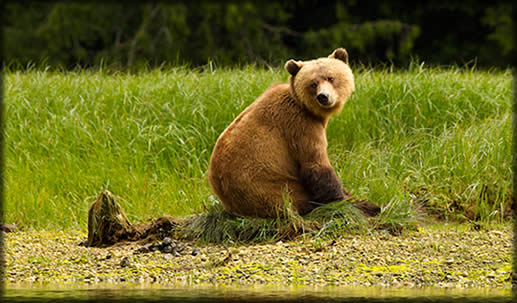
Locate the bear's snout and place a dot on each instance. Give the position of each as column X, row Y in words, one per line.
column 323, row 99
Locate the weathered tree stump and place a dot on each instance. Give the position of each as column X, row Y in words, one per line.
column 107, row 222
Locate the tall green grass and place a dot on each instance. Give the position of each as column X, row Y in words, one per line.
column 427, row 136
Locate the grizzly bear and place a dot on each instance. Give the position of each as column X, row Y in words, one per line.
column 276, row 149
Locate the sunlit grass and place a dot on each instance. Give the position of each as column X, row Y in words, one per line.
column 434, row 137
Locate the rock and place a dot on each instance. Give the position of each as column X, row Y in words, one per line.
column 167, row 241
column 196, row 251
column 167, row 249
column 176, row 254
column 148, row 246
column 124, row 262
column 8, row 228
column 144, row 249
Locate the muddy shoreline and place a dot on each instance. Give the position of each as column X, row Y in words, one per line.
column 434, row 256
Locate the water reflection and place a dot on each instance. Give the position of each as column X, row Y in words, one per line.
column 128, row 292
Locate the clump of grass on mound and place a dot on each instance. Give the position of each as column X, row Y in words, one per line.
column 327, row 221
column 217, row 225
column 338, row 217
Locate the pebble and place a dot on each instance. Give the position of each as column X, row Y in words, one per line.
column 144, row 249
column 166, row 241
column 124, row 262
column 8, row 228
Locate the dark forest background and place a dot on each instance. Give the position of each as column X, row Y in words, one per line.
column 267, row 33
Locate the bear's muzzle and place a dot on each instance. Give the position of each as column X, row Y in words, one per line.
column 323, row 99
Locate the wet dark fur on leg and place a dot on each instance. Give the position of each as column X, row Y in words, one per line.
column 323, row 185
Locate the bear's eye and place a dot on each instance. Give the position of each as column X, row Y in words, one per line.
column 314, row 85
column 330, row 79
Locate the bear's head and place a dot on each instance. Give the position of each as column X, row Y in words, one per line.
column 323, row 85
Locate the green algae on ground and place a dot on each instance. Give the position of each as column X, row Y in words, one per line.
column 466, row 259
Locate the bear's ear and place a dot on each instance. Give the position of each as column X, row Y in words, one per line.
column 292, row 67
column 340, row 54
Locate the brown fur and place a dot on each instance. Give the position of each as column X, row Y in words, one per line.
column 278, row 146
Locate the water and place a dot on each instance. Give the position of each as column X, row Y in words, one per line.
column 210, row 293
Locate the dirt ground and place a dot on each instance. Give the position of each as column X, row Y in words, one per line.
column 437, row 256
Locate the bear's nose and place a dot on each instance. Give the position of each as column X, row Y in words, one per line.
column 323, row 98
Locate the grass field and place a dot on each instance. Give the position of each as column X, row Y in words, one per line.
column 425, row 136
